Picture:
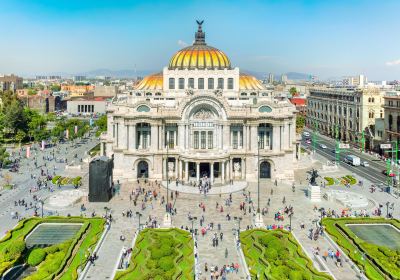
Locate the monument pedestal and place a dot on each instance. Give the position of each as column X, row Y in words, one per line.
column 314, row 193
column 258, row 221
column 167, row 220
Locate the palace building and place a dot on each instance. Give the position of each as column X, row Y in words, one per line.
column 200, row 117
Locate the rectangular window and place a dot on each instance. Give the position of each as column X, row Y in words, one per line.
column 171, row 83
column 171, row 139
column 220, row 83
column 92, row 108
column 196, row 140
column 181, row 83
column 230, row 83
column 210, row 139
column 235, row 140
column 191, row 83
column 203, row 139
column 201, row 83
column 261, row 140
column 79, row 108
column 210, row 83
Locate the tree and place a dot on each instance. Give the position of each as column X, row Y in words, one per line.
column 300, row 123
column 55, row 87
column 4, row 155
column 14, row 117
column 293, row 91
column 101, row 124
column 20, row 136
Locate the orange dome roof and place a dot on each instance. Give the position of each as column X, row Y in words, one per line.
column 199, row 56
column 151, row 82
column 247, row 82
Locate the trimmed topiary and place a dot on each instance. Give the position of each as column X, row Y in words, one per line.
column 36, row 256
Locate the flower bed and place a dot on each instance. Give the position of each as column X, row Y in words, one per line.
column 57, row 260
column 161, row 254
column 381, row 262
column 66, row 180
column 275, row 254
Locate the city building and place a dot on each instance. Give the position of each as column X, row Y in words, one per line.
column 86, row 105
column 78, row 90
column 10, row 82
column 271, row 78
column 358, row 81
column 41, row 102
column 300, row 103
column 105, row 91
column 79, row 78
column 345, row 113
column 284, row 79
column 392, row 116
column 200, row 116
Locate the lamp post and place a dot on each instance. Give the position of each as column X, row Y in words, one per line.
column 387, row 209
column 139, row 215
column 42, row 202
column 107, row 209
column 259, row 174
column 192, row 220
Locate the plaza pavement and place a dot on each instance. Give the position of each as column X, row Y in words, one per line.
column 189, row 202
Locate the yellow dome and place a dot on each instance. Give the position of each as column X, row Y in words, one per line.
column 151, row 82
column 247, row 82
column 199, row 56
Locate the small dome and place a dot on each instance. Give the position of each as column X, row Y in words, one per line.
column 151, row 82
column 199, row 55
column 247, row 82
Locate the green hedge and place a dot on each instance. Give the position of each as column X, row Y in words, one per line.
column 161, row 254
column 381, row 262
column 350, row 179
column 36, row 256
column 60, row 255
column 275, row 254
column 330, row 181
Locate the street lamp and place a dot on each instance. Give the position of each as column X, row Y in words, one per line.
column 387, row 209
column 107, row 209
column 192, row 220
column 139, row 215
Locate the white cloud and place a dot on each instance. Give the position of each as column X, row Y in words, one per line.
column 393, row 62
column 182, row 43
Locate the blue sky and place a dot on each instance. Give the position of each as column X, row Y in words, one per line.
column 328, row 38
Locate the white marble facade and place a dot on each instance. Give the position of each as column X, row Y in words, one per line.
column 189, row 121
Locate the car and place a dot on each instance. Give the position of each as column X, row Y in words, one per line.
column 334, row 151
column 306, row 134
column 308, row 141
column 365, row 163
column 391, row 174
column 322, row 146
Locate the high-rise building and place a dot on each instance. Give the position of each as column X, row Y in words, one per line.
column 79, row 78
column 271, row 78
column 284, row 78
column 357, row 81
column 11, row 82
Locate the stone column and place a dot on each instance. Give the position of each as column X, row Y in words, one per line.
column 181, row 136
column 153, row 136
column 228, row 169
column 176, row 167
column 141, row 140
column 286, row 136
column 212, row 172
column 226, row 139
column 222, row 172
column 132, row 136
column 242, row 166
column 275, row 138
column 197, row 171
column 186, row 171
column 167, row 140
column 164, row 168
column 231, row 169
column 254, row 138
column 244, row 137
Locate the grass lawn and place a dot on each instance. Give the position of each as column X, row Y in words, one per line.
column 59, row 260
column 380, row 262
column 161, row 254
column 275, row 254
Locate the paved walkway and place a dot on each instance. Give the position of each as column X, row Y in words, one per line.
column 215, row 190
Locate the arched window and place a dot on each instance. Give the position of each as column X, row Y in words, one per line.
column 143, row 108
column 148, row 94
column 243, row 94
column 265, row 109
column 171, row 83
column 253, row 94
column 373, row 100
column 158, row 93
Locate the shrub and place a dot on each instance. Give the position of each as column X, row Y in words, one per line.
column 13, row 250
column 55, row 179
column 330, row 181
column 36, row 256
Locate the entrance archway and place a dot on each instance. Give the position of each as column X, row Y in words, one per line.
column 265, row 170
column 143, row 170
column 204, row 169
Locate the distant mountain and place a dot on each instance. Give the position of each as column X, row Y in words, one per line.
column 125, row 73
column 290, row 75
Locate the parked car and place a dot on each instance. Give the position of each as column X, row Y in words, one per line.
column 322, row 146
column 308, row 141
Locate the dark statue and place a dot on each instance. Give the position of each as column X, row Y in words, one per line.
column 313, row 176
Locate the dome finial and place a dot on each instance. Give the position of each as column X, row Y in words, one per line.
column 200, row 36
